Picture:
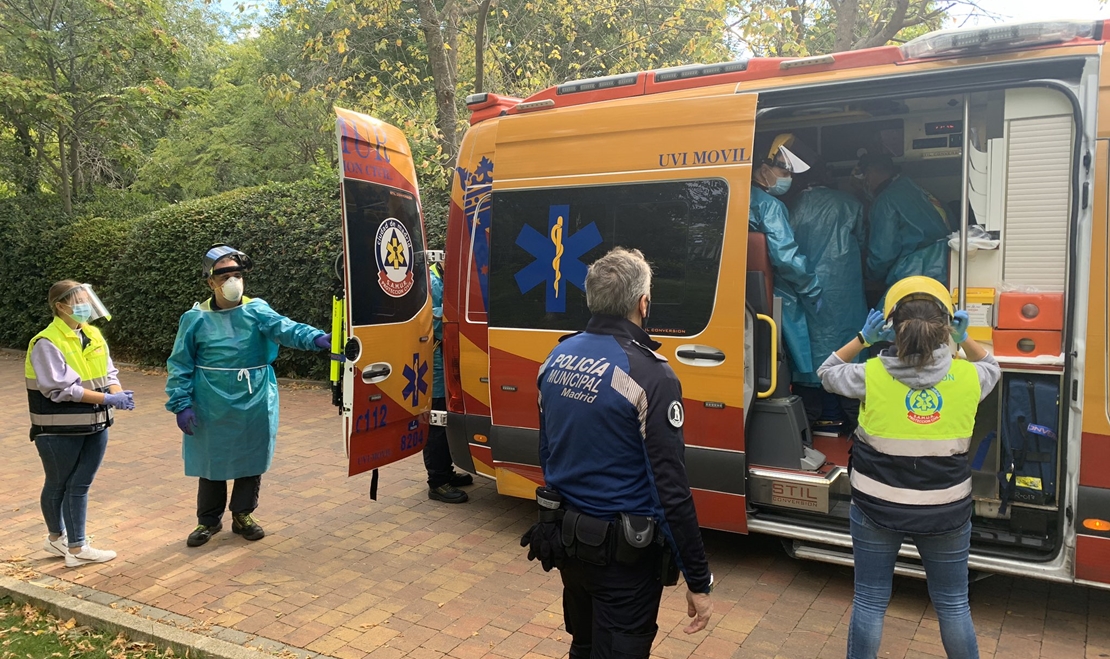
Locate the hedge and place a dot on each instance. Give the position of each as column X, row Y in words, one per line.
column 147, row 269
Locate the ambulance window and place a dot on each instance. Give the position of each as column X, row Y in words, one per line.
column 544, row 239
column 384, row 241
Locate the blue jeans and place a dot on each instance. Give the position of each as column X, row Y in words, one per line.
column 945, row 559
column 70, row 463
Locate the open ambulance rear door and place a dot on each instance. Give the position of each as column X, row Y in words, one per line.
column 668, row 176
column 387, row 380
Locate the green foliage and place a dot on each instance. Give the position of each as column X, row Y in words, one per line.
column 28, row 632
column 291, row 232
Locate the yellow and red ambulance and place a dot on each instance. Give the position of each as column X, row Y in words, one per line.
column 1001, row 124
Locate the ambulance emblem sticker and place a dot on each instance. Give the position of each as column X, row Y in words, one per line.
column 675, row 415
column 393, row 253
column 923, row 405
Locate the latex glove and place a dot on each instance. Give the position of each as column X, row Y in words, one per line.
column 187, row 420
column 875, row 330
column 699, row 606
column 323, row 342
column 960, row 323
column 545, row 541
column 124, row 400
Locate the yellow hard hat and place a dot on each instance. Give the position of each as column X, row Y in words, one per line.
column 917, row 288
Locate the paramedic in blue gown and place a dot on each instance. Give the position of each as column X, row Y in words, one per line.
column 909, row 227
column 612, row 451
column 795, row 281
column 223, row 391
column 828, row 227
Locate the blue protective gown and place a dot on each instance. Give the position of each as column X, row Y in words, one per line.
column 221, row 367
column 437, row 330
column 909, row 234
column 795, row 281
column 828, row 226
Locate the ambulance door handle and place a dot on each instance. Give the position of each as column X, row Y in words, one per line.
column 774, row 356
column 375, row 373
column 697, row 355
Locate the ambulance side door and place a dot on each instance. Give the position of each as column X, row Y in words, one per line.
column 387, row 380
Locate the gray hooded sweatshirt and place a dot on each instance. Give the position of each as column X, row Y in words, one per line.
column 846, row 379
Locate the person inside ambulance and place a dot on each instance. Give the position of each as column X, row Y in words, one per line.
column 909, row 227
column 909, row 469
column 222, row 389
column 795, row 281
column 828, row 227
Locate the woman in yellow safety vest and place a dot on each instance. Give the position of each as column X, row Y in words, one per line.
column 72, row 388
column 909, row 470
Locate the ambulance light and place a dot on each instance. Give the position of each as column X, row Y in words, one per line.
column 535, row 105
column 1097, row 525
column 807, row 61
column 596, row 84
column 946, row 43
column 699, row 71
column 477, row 99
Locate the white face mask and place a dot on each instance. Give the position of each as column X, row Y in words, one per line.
column 232, row 289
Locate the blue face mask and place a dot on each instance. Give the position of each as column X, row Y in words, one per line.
column 82, row 311
column 781, row 186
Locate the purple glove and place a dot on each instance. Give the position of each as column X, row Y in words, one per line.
column 122, row 401
column 323, row 342
column 187, row 420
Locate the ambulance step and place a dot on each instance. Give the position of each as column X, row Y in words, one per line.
column 797, row 490
column 838, row 556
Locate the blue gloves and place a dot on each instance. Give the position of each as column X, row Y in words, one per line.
column 187, row 420
column 323, row 342
column 875, row 329
column 960, row 323
column 124, row 400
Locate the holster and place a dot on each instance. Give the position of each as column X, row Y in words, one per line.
column 635, row 534
column 587, row 538
column 668, row 567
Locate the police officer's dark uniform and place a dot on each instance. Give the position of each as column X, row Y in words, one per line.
column 611, row 443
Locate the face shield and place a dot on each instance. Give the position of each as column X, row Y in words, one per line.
column 217, row 252
column 81, row 304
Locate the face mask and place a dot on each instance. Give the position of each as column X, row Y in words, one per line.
column 232, row 289
column 81, row 313
column 781, row 186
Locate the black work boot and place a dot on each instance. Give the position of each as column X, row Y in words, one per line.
column 447, row 494
column 203, row 534
column 460, row 480
column 244, row 525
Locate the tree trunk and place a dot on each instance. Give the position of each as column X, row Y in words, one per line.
column 847, row 16
column 881, row 33
column 480, row 47
column 63, row 175
column 29, row 172
column 443, row 77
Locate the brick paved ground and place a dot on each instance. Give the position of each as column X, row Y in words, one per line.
column 343, row 576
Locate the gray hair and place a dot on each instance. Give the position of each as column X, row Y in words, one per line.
column 616, row 281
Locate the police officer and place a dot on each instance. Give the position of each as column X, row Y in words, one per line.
column 617, row 501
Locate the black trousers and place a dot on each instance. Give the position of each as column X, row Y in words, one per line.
column 813, row 398
column 212, row 498
column 611, row 611
column 437, row 454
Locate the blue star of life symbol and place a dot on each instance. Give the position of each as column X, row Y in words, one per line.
column 558, row 257
column 415, row 374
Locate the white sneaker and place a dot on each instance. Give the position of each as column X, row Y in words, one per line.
column 59, row 547
column 89, row 555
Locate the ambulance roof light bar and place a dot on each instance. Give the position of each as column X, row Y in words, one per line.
column 973, row 41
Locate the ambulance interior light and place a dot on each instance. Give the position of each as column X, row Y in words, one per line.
column 946, row 43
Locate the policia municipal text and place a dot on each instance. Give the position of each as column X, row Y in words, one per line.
column 617, row 511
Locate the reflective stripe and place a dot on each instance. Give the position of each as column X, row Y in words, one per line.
column 908, row 496
column 916, row 448
column 79, row 419
column 95, row 384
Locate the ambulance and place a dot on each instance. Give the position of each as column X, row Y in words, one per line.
column 1001, row 124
